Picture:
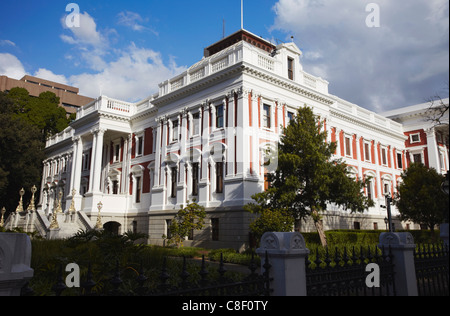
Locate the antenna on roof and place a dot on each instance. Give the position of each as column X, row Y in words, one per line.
column 223, row 31
column 242, row 14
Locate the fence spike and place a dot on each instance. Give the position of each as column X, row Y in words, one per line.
column 222, row 269
column 203, row 272
column 253, row 265
column 141, row 279
column 116, row 280
column 327, row 258
column 89, row 284
column 184, row 273
column 59, row 287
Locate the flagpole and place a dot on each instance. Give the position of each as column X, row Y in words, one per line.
column 242, row 14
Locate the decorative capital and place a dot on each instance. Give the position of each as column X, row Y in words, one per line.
column 283, row 244
column 405, row 240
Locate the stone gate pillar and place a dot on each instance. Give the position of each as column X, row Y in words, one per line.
column 402, row 246
column 15, row 259
column 287, row 254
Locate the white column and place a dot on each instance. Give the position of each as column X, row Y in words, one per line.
column 242, row 137
column 98, row 157
column 77, row 161
column 433, row 151
column 92, row 169
column 230, row 135
column 157, row 170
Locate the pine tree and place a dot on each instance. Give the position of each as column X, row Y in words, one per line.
column 308, row 179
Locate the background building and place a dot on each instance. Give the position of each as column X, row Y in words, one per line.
column 69, row 98
column 428, row 140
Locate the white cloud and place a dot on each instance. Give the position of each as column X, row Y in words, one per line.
column 133, row 76
column 11, row 66
column 49, row 75
column 85, row 34
column 403, row 61
column 129, row 74
column 7, row 43
column 134, row 21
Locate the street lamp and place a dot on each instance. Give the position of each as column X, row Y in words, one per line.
column 445, row 189
column 99, row 224
column 388, row 220
column 444, row 185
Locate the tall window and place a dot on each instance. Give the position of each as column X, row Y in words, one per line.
column 115, row 187
column 386, row 188
column 417, row 158
column 348, row 146
column 367, row 151
column 196, row 124
column 219, row 116
column 86, row 161
column 219, row 177
column 195, row 170
column 140, row 146
column 116, row 153
column 138, row 190
column 290, row 116
column 399, row 161
column 215, row 229
column 174, row 183
column 175, row 131
column 168, row 232
column 290, row 68
column 369, row 188
column 266, row 116
column 383, row 156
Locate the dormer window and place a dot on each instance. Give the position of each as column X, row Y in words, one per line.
column 290, row 68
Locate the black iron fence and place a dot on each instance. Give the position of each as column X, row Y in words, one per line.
column 346, row 275
column 184, row 284
column 432, row 274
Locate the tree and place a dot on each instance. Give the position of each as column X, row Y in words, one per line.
column 420, row 198
column 307, row 179
column 42, row 112
column 25, row 124
column 21, row 155
column 188, row 219
column 269, row 220
column 437, row 113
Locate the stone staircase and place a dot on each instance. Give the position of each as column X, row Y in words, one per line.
column 68, row 224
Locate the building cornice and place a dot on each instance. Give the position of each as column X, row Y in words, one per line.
column 334, row 113
column 287, row 85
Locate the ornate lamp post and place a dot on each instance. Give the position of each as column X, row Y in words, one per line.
column 99, row 224
column 20, row 206
column 32, row 207
column 2, row 219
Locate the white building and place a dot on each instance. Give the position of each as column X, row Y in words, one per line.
column 203, row 137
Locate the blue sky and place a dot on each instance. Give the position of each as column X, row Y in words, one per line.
column 123, row 49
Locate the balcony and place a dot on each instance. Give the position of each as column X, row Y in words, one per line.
column 116, row 107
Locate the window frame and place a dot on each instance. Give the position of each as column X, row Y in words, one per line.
column 220, row 177
column 291, row 68
column 267, row 116
column 220, row 116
